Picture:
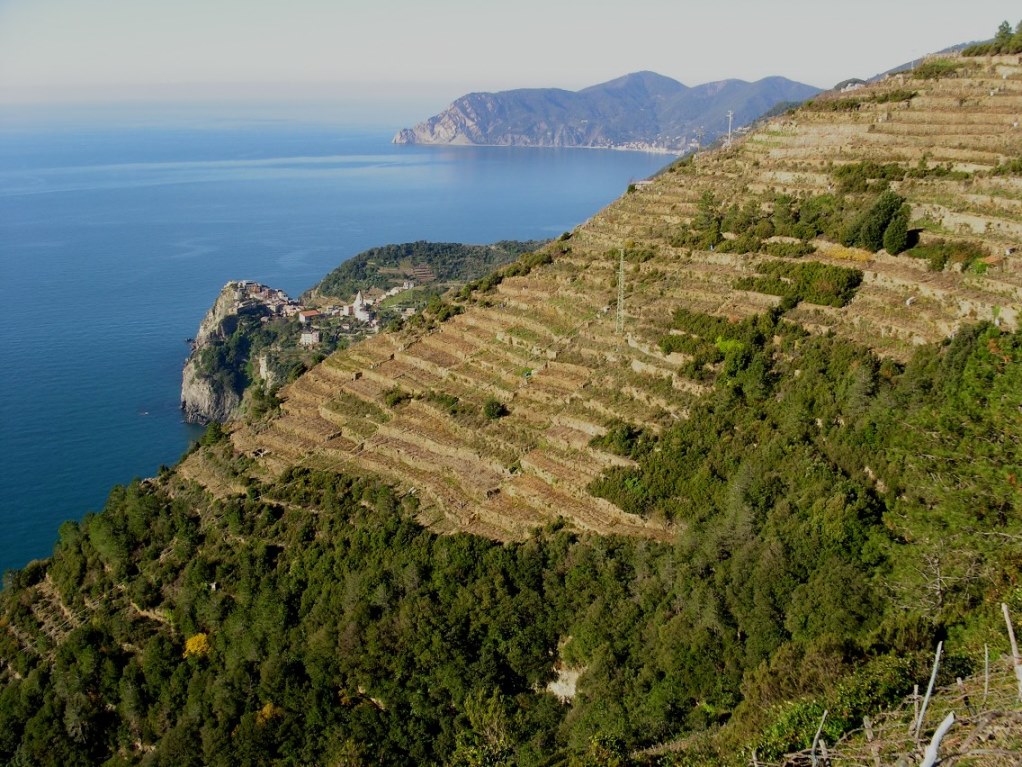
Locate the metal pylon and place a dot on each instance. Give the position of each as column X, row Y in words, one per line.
column 621, row 295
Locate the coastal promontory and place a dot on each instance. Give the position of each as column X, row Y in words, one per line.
column 641, row 111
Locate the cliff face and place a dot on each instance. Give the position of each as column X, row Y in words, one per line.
column 204, row 400
column 641, row 111
column 206, row 397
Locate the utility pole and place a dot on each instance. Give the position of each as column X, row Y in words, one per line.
column 730, row 119
column 621, row 294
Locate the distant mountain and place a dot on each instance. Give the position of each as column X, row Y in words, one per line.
column 642, row 110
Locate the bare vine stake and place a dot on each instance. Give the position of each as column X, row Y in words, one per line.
column 915, row 707
column 932, row 750
column 819, row 731
column 867, row 725
column 1014, row 648
column 986, row 673
column 929, row 689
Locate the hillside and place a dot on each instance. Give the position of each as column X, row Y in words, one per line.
column 546, row 343
column 446, row 264
column 642, row 110
column 741, row 448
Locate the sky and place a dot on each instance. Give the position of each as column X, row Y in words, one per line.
column 421, row 54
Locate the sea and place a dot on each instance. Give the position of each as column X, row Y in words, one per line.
column 116, row 236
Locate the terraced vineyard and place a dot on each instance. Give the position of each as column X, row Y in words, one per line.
column 547, row 346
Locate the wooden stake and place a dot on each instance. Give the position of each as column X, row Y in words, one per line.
column 1014, row 648
column 915, row 707
column 929, row 689
column 874, row 747
column 932, row 750
column 819, row 731
column 986, row 673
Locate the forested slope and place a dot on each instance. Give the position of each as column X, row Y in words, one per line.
column 768, row 487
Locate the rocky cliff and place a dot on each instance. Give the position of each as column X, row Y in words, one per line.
column 207, row 397
column 641, row 111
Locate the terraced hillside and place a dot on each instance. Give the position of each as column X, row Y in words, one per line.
column 547, row 345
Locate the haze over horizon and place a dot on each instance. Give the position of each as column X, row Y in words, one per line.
column 399, row 60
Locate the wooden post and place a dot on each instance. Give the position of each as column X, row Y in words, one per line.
column 874, row 747
column 915, row 707
column 965, row 696
column 1014, row 648
column 986, row 673
column 819, row 731
column 932, row 750
column 929, row 689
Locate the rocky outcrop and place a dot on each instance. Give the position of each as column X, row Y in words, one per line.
column 204, row 399
column 206, row 396
column 642, row 111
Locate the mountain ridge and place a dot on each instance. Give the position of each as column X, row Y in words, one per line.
column 641, row 110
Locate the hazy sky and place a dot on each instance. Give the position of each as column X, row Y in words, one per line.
column 432, row 52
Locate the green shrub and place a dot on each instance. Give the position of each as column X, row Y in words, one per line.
column 396, row 396
column 743, row 244
column 867, row 230
column 857, row 176
column 1008, row 168
column 624, row 439
column 833, row 105
column 441, row 310
column 896, row 234
column 900, row 94
column 941, row 252
column 213, row 435
column 813, row 282
column 937, row 171
column 934, row 69
column 789, row 249
column 494, row 409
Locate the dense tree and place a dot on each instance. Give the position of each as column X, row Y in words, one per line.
column 817, row 563
column 896, row 233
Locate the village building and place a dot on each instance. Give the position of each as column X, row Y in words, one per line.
column 309, row 338
column 307, row 315
column 360, row 308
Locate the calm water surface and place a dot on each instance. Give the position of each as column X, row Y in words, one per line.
column 114, row 242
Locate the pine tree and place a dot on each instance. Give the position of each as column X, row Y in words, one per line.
column 896, row 234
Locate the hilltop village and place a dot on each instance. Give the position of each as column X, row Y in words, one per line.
column 257, row 335
column 360, row 317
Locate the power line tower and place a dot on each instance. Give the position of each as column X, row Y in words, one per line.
column 730, row 119
column 621, row 294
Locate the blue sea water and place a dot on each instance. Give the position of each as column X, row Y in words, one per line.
column 114, row 241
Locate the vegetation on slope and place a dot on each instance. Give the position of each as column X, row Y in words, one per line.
column 390, row 265
column 1005, row 41
column 836, row 516
column 830, row 534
